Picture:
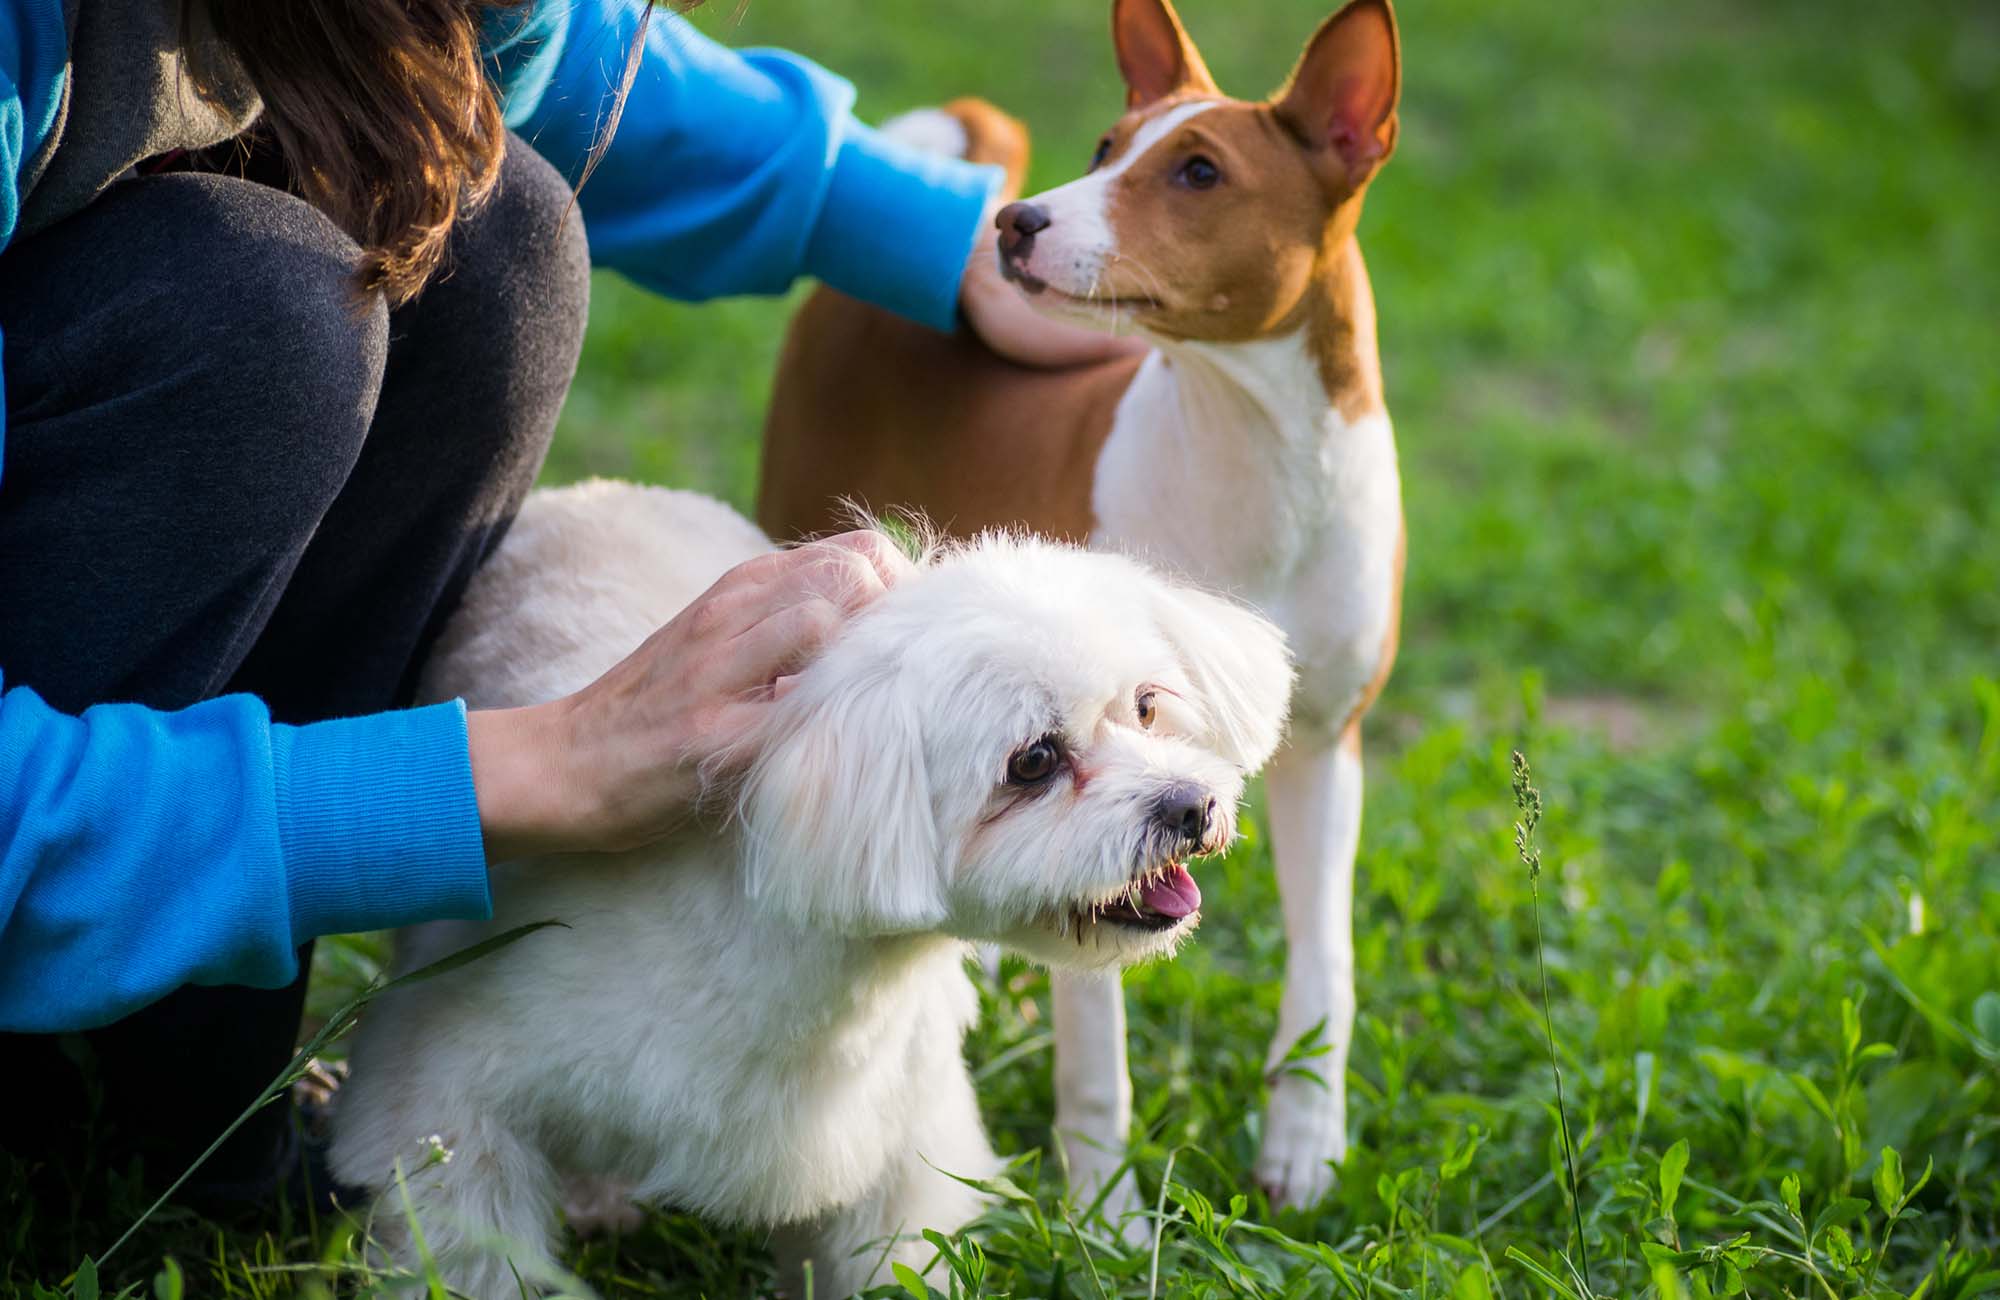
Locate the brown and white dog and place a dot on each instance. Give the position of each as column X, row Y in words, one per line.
column 1250, row 449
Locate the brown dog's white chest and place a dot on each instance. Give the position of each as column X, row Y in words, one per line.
column 1227, row 462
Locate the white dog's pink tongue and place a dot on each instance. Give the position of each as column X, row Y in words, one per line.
column 1174, row 894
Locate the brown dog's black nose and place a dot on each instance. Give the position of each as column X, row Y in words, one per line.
column 1019, row 224
column 1024, row 219
column 1185, row 809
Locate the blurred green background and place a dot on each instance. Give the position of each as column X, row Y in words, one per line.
column 1690, row 320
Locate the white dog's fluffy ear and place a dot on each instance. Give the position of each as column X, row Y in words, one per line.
column 837, row 811
column 1240, row 666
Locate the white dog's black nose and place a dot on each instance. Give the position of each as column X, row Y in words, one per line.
column 1185, row 809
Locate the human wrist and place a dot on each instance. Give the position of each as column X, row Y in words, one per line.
column 909, row 265
column 521, row 774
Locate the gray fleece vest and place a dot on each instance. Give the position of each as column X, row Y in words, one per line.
column 127, row 96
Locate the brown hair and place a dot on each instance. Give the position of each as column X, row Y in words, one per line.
column 383, row 114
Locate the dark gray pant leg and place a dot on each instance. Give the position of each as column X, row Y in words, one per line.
column 220, row 475
column 478, row 368
column 188, row 388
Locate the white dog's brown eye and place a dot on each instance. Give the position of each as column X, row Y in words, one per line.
column 1036, row 763
column 1103, row 150
column 1147, row 705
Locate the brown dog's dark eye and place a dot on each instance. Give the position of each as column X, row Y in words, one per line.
column 1199, row 173
column 1097, row 159
column 1147, row 707
column 1036, row 763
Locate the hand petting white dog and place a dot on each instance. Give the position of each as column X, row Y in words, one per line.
column 618, row 763
column 1011, row 741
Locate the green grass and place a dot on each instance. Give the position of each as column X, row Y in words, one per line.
column 1691, row 322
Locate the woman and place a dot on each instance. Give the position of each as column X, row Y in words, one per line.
column 257, row 436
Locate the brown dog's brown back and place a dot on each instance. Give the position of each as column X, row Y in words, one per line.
column 872, row 408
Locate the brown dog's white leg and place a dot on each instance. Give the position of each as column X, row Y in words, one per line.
column 1094, row 1093
column 1314, row 793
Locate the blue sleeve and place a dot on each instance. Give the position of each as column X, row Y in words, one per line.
column 34, row 44
column 734, row 172
column 143, row 850
column 34, row 48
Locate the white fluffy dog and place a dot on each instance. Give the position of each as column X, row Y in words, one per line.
column 1021, row 742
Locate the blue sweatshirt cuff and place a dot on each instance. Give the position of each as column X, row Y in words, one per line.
column 378, row 822
column 897, row 225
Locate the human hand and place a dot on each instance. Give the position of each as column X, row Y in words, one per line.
column 1002, row 318
column 621, row 762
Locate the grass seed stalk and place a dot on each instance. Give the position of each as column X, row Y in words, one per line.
column 1528, row 800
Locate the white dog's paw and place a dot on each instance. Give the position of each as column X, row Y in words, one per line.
column 931, row 129
column 1305, row 1135
column 600, row 1205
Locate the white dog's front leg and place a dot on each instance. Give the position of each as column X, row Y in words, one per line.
column 487, row 1216
column 1094, row 1092
column 852, row 1248
column 1314, row 793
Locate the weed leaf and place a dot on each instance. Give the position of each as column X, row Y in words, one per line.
column 1673, row 1165
column 1844, row 1210
column 1889, row 1182
column 1986, row 1016
column 912, row 1283
column 1541, row 1274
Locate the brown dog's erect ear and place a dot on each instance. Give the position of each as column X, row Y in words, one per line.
column 1342, row 96
column 1154, row 52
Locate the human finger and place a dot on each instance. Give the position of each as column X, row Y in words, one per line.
column 782, row 642
column 844, row 574
column 889, row 559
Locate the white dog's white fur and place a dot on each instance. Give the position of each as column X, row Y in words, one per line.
column 762, row 1022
